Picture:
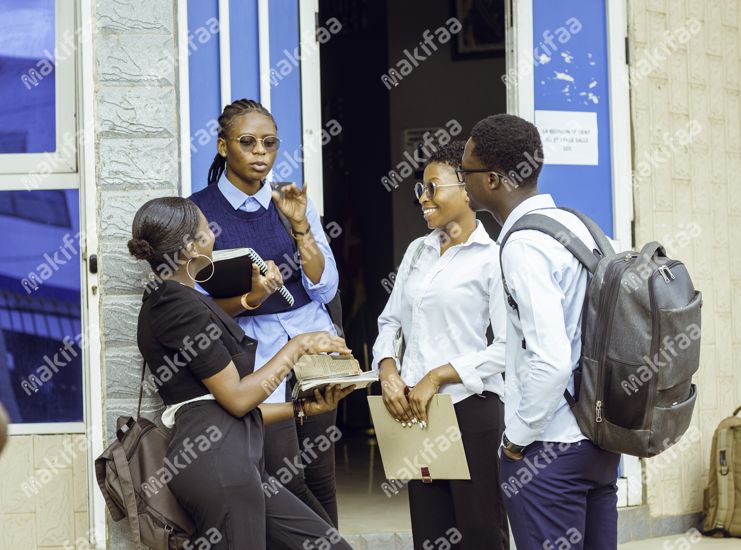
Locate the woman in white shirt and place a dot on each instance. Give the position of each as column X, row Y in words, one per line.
column 447, row 291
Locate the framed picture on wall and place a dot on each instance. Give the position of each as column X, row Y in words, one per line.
column 482, row 32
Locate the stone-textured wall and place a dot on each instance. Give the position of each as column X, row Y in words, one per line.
column 691, row 201
column 137, row 132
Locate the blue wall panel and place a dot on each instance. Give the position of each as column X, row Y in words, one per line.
column 245, row 51
column 286, row 88
column 205, row 97
column 573, row 76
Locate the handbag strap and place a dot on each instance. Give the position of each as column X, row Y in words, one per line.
column 141, row 390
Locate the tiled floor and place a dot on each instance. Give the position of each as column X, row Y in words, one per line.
column 683, row 541
column 367, row 506
column 364, row 506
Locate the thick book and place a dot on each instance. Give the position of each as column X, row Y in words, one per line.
column 320, row 370
column 232, row 274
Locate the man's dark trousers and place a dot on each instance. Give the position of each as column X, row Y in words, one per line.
column 562, row 495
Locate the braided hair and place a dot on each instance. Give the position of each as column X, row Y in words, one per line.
column 238, row 108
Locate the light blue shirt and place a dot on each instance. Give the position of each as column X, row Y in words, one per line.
column 273, row 330
column 549, row 285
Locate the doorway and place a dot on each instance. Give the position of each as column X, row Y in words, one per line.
column 369, row 173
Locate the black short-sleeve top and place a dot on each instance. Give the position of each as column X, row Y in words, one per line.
column 185, row 337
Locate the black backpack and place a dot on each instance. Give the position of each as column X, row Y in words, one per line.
column 640, row 341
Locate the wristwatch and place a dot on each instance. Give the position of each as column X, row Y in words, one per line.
column 511, row 447
column 298, row 235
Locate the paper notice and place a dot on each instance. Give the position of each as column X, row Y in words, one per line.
column 568, row 137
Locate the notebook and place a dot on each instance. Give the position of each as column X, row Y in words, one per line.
column 232, row 274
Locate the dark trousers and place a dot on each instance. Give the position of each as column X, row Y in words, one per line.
column 562, row 495
column 227, row 493
column 293, row 458
column 469, row 515
column 320, row 473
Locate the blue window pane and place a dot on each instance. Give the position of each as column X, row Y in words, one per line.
column 41, row 340
column 49, row 207
column 27, row 76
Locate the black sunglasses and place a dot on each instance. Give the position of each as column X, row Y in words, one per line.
column 248, row 142
column 420, row 188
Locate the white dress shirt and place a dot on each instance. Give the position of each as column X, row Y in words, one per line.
column 444, row 305
column 549, row 285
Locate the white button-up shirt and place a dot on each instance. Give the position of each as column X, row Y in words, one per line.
column 444, row 304
column 549, row 285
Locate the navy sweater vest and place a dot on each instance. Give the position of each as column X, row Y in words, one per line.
column 262, row 231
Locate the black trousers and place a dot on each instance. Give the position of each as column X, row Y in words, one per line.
column 226, row 491
column 293, row 458
column 469, row 515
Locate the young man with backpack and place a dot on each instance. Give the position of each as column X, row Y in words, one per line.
column 559, row 486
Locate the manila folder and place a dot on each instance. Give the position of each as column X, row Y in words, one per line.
column 413, row 453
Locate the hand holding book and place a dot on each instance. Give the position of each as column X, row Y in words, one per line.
column 263, row 286
column 315, row 371
column 320, row 403
column 233, row 275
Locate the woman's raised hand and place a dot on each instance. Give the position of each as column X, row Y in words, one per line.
column 292, row 201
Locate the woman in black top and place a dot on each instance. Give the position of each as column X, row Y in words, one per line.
column 202, row 364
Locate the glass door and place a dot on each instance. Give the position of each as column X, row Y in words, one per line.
column 41, row 332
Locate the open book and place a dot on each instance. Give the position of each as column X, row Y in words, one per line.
column 317, row 371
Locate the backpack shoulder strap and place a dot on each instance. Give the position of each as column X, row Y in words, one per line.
column 558, row 231
column 554, row 229
column 127, row 490
column 100, row 474
column 603, row 243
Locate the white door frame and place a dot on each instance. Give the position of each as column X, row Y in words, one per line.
column 311, row 102
column 93, row 359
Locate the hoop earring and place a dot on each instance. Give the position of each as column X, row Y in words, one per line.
column 213, row 269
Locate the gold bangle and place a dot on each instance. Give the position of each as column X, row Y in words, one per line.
column 245, row 305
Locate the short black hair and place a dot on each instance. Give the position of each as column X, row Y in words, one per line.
column 448, row 154
column 510, row 144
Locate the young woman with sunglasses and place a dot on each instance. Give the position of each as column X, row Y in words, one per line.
column 448, row 290
column 249, row 213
